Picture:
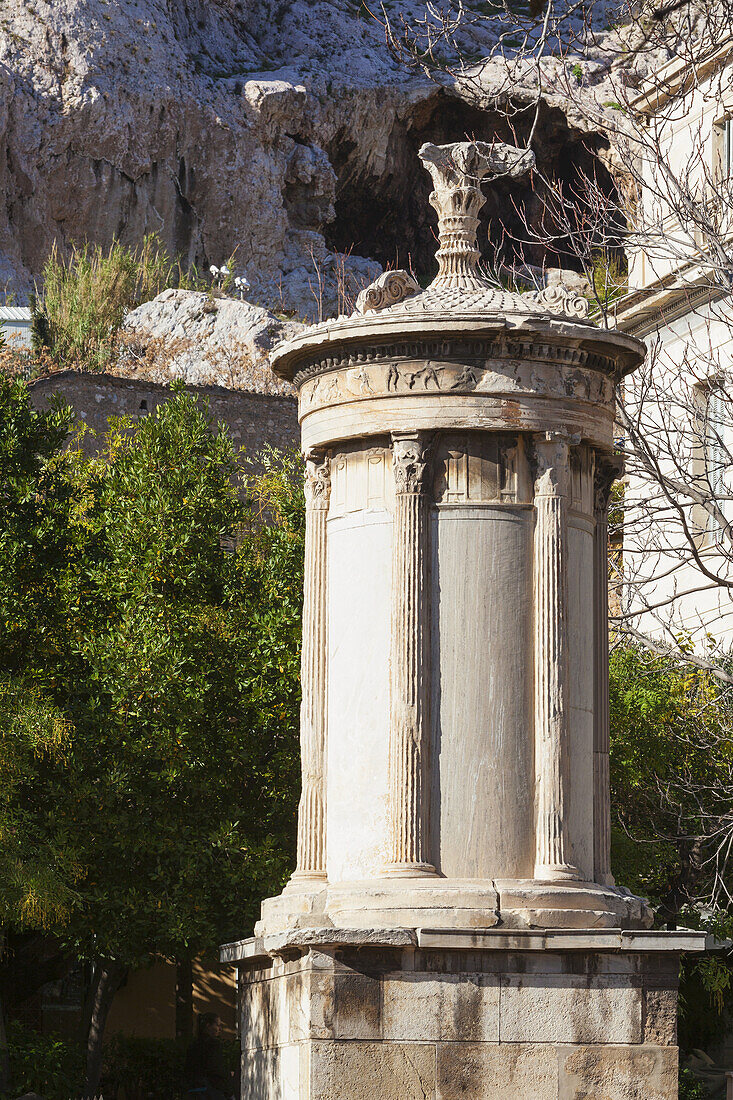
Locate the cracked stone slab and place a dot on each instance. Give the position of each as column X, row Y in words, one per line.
column 340, row 937
column 405, row 1070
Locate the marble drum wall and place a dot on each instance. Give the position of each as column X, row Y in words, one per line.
column 454, row 728
column 481, row 713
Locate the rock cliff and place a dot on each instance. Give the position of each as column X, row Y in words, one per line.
column 281, row 127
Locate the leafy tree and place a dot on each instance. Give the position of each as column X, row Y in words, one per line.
column 36, row 497
column 170, row 648
column 187, row 719
column 38, row 864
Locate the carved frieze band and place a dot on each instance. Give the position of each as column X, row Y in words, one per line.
column 395, row 379
column 553, row 860
column 409, row 688
column 456, row 352
column 607, row 470
column 312, row 809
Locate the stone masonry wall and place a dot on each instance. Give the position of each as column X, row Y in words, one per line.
column 253, row 419
column 407, row 1024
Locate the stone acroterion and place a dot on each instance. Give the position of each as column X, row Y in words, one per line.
column 457, row 171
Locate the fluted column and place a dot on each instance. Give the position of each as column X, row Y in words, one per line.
column 607, row 469
column 553, row 858
column 312, row 806
column 409, row 731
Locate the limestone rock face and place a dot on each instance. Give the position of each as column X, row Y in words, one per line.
column 281, row 127
column 204, row 341
column 147, row 115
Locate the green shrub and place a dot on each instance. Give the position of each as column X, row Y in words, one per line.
column 149, row 1069
column 77, row 315
column 45, row 1064
column 133, row 1068
column 691, row 1089
column 142, row 1068
column 83, row 304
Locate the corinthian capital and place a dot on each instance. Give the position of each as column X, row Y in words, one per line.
column 317, row 479
column 457, row 171
column 608, row 468
column 465, row 163
column 410, row 461
column 551, row 463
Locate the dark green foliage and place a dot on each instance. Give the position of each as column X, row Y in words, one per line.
column 671, row 752
column 148, row 681
column 150, row 1069
column 45, row 1064
column 186, row 714
column 690, row 1089
column 37, row 497
column 671, row 760
column 136, row 1069
column 704, row 1016
column 38, row 866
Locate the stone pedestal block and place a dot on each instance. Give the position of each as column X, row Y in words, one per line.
column 412, row 1015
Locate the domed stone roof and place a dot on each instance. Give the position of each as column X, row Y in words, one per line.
column 461, row 299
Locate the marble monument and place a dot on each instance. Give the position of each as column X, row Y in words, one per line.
column 452, row 928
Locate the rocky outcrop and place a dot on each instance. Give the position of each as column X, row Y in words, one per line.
column 127, row 117
column 203, row 340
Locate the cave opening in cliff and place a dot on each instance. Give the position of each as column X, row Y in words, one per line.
column 386, row 216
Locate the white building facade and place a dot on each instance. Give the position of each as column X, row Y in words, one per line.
column 678, row 422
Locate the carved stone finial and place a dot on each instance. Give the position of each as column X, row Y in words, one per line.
column 388, row 289
column 457, row 171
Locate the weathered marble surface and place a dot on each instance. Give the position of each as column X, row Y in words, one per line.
column 463, row 427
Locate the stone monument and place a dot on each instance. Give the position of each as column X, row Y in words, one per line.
column 452, row 928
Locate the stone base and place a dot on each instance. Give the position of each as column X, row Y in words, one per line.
column 430, row 901
column 301, row 905
column 463, row 1015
